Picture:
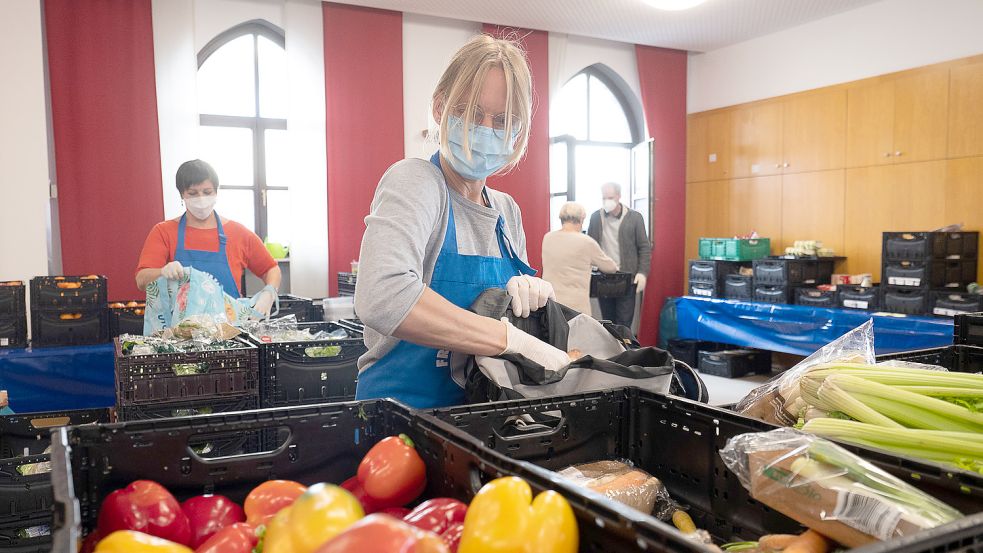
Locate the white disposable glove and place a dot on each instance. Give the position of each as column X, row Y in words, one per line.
column 172, row 271
column 533, row 349
column 528, row 294
column 640, row 281
column 264, row 302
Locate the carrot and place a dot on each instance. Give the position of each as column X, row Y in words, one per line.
column 809, row 541
column 776, row 542
column 684, row 522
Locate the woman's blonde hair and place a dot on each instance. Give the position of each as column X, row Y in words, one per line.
column 461, row 84
column 572, row 212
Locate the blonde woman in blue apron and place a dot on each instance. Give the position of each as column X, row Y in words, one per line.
column 436, row 237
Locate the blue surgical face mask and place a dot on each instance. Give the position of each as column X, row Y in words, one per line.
column 489, row 151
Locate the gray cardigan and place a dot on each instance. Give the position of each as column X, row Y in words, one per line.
column 633, row 241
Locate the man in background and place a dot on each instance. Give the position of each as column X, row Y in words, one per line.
column 621, row 233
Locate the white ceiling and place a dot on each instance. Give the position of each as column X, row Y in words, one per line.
column 712, row 25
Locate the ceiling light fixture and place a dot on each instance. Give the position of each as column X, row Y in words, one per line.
column 674, row 5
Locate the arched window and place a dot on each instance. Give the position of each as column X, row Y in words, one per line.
column 596, row 136
column 242, row 106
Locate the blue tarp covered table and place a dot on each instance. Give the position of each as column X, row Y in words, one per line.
column 52, row 379
column 799, row 329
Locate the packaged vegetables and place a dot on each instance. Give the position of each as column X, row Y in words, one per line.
column 829, row 489
column 622, row 482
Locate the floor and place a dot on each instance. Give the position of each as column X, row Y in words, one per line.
column 724, row 391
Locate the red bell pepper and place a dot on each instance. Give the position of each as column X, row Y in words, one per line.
column 236, row 538
column 452, row 536
column 396, row 512
column 210, row 513
column 437, row 515
column 381, row 532
column 90, row 542
column 147, row 507
column 392, row 472
column 268, row 498
column 369, row 505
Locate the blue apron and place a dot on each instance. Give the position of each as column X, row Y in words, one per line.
column 417, row 375
column 213, row 263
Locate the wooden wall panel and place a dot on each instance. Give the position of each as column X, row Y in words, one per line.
column 814, row 129
column 964, row 195
column 812, row 208
column 756, row 205
column 706, row 215
column 966, row 110
column 921, row 110
column 895, row 197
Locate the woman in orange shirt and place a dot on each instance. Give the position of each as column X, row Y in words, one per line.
column 200, row 238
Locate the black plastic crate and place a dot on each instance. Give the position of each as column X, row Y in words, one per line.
column 302, row 308
column 772, row 294
column 126, row 317
column 814, row 297
column 13, row 331
column 291, row 377
column 190, row 408
column 968, row 329
column 858, row 297
column 678, row 441
column 738, row 287
column 688, row 351
column 321, row 443
column 201, row 375
column 68, row 292
column 703, row 290
column 25, row 496
column 346, row 283
column 714, row 271
column 780, row 271
column 957, row 358
column 28, row 433
column 70, row 327
column 909, row 301
column 14, row 537
column 934, row 273
column 611, row 285
column 735, row 363
column 12, row 300
column 950, row 304
column 915, row 246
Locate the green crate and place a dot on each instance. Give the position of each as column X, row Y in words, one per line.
column 734, row 249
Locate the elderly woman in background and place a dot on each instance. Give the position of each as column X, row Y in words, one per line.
column 569, row 254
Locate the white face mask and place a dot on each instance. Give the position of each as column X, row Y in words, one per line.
column 201, row 206
column 610, row 205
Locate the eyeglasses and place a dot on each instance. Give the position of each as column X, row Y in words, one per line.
column 499, row 122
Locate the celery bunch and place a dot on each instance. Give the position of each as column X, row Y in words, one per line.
column 933, row 415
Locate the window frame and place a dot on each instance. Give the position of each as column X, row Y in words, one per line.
column 636, row 125
column 259, row 125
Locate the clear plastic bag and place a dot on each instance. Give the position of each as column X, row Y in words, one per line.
column 775, row 400
column 829, row 489
column 625, row 483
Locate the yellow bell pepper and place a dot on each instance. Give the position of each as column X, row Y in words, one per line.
column 504, row 518
column 129, row 541
column 321, row 513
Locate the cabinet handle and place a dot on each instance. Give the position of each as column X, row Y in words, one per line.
column 899, row 153
column 786, row 164
column 778, row 166
column 887, row 154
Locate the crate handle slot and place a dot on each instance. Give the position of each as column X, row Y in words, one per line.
column 266, row 449
column 530, row 425
column 187, row 369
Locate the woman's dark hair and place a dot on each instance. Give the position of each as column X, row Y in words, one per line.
column 194, row 172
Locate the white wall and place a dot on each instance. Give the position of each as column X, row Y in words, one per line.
column 428, row 44
column 23, row 143
column 181, row 29
column 888, row 36
column 571, row 54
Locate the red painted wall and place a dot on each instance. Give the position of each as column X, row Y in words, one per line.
column 529, row 182
column 107, row 145
column 662, row 74
column 363, row 86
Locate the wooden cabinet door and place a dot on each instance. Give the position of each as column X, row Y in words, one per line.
column 706, row 215
column 814, row 131
column 696, row 148
column 812, row 208
column 870, row 124
column 966, row 110
column 964, row 196
column 756, row 146
column 921, row 105
column 904, row 196
column 718, row 145
column 755, row 205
